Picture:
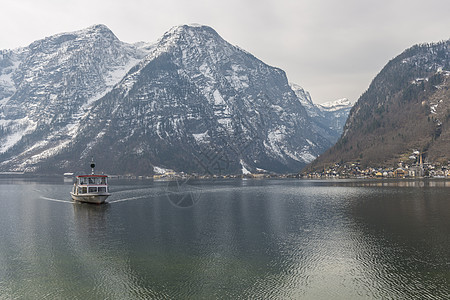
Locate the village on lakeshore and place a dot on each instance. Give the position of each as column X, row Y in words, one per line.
column 412, row 167
column 416, row 167
column 338, row 171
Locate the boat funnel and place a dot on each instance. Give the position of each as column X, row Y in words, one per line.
column 92, row 166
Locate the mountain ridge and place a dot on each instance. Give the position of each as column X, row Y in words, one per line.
column 328, row 118
column 190, row 102
column 405, row 109
column 91, row 60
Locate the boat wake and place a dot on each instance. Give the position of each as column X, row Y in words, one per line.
column 108, row 202
column 127, row 199
column 56, row 200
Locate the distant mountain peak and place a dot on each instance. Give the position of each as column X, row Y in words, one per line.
column 193, row 35
column 303, row 95
column 98, row 30
column 337, row 104
column 193, row 27
column 328, row 118
column 94, row 32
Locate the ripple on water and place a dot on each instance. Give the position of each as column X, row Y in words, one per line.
column 258, row 239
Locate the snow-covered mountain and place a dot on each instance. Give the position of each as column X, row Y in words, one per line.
column 191, row 102
column 47, row 88
column 339, row 104
column 328, row 118
column 335, row 114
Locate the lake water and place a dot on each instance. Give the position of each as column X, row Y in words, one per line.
column 227, row 239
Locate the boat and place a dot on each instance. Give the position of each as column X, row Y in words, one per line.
column 91, row 188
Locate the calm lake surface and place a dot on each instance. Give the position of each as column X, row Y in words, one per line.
column 227, row 239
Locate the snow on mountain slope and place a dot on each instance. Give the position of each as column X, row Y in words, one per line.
column 191, row 102
column 335, row 105
column 327, row 118
column 49, row 86
column 196, row 103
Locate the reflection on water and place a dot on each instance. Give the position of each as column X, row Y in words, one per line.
column 284, row 239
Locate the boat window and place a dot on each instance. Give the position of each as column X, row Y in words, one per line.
column 82, row 190
column 92, row 189
column 102, row 189
column 91, row 180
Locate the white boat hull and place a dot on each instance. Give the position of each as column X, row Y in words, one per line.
column 96, row 198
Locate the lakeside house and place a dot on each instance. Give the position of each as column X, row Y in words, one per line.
column 400, row 173
column 417, row 168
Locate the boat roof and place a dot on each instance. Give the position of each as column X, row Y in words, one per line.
column 92, row 176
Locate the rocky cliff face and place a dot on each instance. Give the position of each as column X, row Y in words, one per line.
column 335, row 114
column 406, row 108
column 191, row 102
column 47, row 88
column 328, row 118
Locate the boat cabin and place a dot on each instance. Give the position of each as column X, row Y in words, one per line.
column 91, row 184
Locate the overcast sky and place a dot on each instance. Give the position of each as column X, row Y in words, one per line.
column 332, row 48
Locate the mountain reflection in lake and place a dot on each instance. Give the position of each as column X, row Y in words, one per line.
column 283, row 239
